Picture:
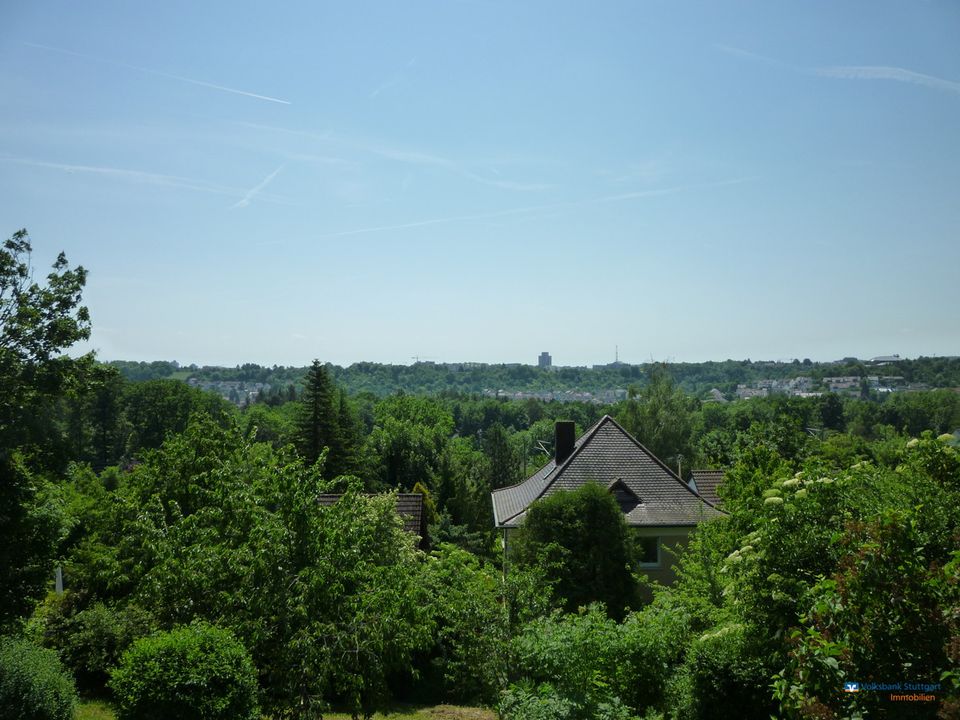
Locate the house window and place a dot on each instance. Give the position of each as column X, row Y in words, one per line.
column 649, row 552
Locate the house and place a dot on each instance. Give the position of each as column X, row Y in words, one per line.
column 705, row 484
column 660, row 507
column 410, row 509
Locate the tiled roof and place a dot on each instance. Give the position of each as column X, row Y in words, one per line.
column 706, row 483
column 606, row 453
column 409, row 508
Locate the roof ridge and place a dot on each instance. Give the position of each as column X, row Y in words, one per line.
column 659, row 462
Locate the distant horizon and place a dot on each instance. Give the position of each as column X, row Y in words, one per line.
column 782, row 361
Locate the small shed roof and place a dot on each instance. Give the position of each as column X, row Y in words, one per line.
column 409, row 508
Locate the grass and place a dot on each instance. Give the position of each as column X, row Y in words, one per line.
column 440, row 712
column 94, row 710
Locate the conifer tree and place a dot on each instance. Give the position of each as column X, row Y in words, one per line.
column 348, row 437
column 317, row 425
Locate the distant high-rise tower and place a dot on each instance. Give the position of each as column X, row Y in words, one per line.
column 544, row 360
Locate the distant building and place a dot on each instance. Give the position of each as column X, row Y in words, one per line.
column 745, row 393
column 544, row 360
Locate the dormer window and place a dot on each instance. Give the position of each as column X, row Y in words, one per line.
column 626, row 498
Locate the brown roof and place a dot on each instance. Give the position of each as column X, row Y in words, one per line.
column 706, row 482
column 409, row 508
column 608, row 454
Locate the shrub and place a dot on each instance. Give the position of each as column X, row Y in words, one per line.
column 521, row 702
column 33, row 683
column 722, row 678
column 600, row 668
column 465, row 664
column 90, row 641
column 580, row 539
column 196, row 672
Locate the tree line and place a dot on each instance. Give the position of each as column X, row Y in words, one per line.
column 468, row 378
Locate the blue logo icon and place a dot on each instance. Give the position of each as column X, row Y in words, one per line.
column 851, row 687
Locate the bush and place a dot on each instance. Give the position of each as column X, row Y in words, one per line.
column 600, row 668
column 722, row 678
column 33, row 683
column 197, row 672
column 466, row 663
column 521, row 702
column 580, row 539
column 90, row 641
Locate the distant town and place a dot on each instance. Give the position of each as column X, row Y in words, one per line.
column 606, row 383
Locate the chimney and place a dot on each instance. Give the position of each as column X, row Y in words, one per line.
column 565, row 432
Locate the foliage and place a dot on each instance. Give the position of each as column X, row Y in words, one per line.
column 660, row 416
column 317, row 423
column 580, row 539
column 842, row 578
column 37, row 322
column 157, row 408
column 33, row 683
column 90, row 639
column 408, row 443
column 722, row 678
column 197, row 672
column 466, row 662
column 428, row 378
column 591, row 666
column 215, row 526
column 523, row 702
column 888, row 608
column 31, row 525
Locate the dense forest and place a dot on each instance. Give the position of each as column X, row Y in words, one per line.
column 198, row 568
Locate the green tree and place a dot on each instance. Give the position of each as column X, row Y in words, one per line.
column 328, row 599
column 37, row 322
column 317, row 424
column 660, row 416
column 504, row 464
column 467, row 661
column 155, row 409
column 408, row 443
column 580, row 539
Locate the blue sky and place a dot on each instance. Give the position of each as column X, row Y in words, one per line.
column 485, row 180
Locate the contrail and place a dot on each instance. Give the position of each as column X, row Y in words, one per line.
column 535, row 208
column 253, row 192
column 140, row 176
column 201, row 83
column 853, row 72
column 881, row 72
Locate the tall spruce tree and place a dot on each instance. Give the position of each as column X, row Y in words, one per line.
column 317, row 425
column 348, row 436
